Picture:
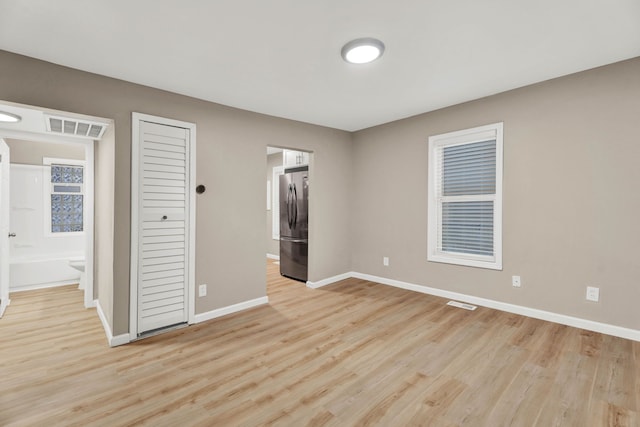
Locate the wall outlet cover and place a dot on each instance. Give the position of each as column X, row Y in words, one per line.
column 515, row 281
column 202, row 290
column 593, row 294
column 385, row 261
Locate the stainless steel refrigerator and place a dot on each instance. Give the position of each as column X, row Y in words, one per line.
column 294, row 223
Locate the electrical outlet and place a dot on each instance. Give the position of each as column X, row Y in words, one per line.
column 593, row 294
column 515, row 281
column 385, row 261
column 202, row 290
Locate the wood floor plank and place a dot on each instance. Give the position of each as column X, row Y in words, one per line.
column 351, row 353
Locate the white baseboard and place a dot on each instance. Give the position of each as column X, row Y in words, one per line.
column 113, row 341
column 604, row 328
column 203, row 317
column 3, row 306
column 119, row 340
column 590, row 325
column 329, row 280
column 272, row 256
column 42, row 286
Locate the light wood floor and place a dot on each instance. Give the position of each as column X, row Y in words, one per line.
column 353, row 353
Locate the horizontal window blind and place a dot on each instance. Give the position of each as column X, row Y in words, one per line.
column 469, row 169
column 467, row 227
column 466, row 175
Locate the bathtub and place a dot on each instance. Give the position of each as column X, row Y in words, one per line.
column 42, row 272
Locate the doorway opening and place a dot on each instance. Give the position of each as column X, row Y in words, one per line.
column 287, row 233
column 48, row 222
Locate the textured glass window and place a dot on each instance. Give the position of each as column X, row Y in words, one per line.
column 66, row 204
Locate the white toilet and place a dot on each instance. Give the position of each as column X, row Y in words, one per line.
column 78, row 264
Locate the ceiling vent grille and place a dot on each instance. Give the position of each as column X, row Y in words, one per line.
column 71, row 127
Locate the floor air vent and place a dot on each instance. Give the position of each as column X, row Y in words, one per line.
column 67, row 126
column 462, row 305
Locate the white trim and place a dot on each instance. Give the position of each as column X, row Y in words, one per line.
column 329, row 280
column 3, row 305
column 46, row 286
column 113, row 341
column 191, row 318
column 119, row 340
column 203, row 317
column 272, row 256
column 136, row 118
column 33, row 259
column 133, row 265
column 89, row 221
column 5, row 223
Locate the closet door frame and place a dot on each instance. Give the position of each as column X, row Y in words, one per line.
column 136, row 119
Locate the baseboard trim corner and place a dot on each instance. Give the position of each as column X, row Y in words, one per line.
column 272, row 256
column 203, row 317
column 590, row 325
column 329, row 280
column 113, row 341
column 121, row 339
column 3, row 306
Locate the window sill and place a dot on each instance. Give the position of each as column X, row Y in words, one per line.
column 465, row 262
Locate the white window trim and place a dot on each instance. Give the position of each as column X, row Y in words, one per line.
column 46, row 182
column 477, row 134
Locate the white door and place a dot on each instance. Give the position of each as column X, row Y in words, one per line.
column 4, row 226
column 162, row 204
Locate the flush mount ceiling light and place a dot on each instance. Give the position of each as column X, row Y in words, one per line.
column 9, row 118
column 362, row 51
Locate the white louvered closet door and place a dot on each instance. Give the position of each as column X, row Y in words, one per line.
column 163, row 204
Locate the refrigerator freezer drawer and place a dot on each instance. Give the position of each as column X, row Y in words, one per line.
column 293, row 259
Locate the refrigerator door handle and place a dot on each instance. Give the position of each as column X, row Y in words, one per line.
column 295, row 205
column 289, row 194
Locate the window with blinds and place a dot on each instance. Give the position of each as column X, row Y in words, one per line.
column 465, row 197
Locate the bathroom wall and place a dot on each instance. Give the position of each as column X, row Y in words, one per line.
column 37, row 258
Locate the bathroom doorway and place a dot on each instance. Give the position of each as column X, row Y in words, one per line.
column 52, row 170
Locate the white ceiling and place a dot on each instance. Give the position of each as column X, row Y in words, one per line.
column 282, row 57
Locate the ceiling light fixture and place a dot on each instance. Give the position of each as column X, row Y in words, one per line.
column 362, row 51
column 9, row 118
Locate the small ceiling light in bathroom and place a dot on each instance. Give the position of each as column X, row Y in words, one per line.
column 9, row 117
column 362, row 51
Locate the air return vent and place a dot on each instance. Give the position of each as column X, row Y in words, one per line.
column 462, row 305
column 72, row 127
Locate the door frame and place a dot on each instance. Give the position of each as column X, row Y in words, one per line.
column 136, row 118
column 5, row 164
column 89, row 219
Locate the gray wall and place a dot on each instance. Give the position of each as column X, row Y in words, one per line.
column 231, row 162
column 571, row 199
column 273, row 246
column 570, row 188
column 31, row 152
